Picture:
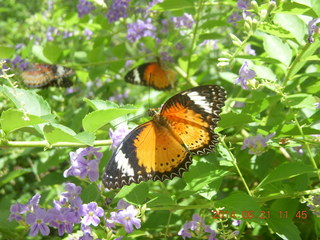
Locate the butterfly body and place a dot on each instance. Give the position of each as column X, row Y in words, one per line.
column 152, row 74
column 162, row 148
column 44, row 75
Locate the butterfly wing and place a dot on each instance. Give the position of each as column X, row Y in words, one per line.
column 193, row 114
column 152, row 74
column 149, row 151
column 44, row 75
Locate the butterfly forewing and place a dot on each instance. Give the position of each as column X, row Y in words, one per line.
column 193, row 114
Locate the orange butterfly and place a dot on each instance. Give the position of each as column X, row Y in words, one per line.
column 162, row 148
column 152, row 74
column 41, row 75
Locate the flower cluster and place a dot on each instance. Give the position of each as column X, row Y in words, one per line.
column 118, row 9
column 245, row 75
column 256, row 144
column 313, row 202
column 118, row 135
column 313, row 28
column 66, row 212
column 186, row 21
column 18, row 63
column 197, row 226
column 119, row 97
column 139, row 29
column 84, row 7
column 126, row 216
column 84, row 163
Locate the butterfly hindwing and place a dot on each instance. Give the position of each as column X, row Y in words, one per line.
column 193, row 114
column 148, row 152
column 152, row 74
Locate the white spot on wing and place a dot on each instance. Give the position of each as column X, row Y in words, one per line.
column 201, row 101
column 136, row 76
column 60, row 70
column 123, row 163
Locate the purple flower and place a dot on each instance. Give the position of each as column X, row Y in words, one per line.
column 118, row 135
column 84, row 7
column 32, row 204
column 234, row 17
column 197, row 225
column 165, row 57
column 165, row 26
column 210, row 44
column 256, row 144
column 38, row 221
column 87, row 32
column 84, row 163
column 298, row 149
column 239, row 104
column 127, row 217
column 118, row 9
column 91, row 213
column 213, row 233
column 63, row 219
column 73, row 191
column 236, row 222
column 139, row 29
column 249, row 50
column 184, row 233
column 122, row 204
column 245, row 74
column 86, row 236
column 51, row 31
column 179, row 46
column 313, row 28
column 19, row 62
column 16, row 211
column 185, row 21
column 19, row 46
column 67, row 34
column 118, row 97
column 317, row 104
column 243, row 4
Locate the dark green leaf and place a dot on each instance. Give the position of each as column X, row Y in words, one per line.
column 286, row 171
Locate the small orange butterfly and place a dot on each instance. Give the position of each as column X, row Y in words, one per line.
column 162, row 148
column 41, row 75
column 152, row 74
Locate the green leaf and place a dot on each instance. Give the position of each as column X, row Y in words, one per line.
column 177, row 5
column 302, row 58
column 52, row 52
column 97, row 104
column 90, row 193
column 58, row 133
column 286, row 171
column 14, row 119
column 275, row 30
column 134, row 193
column 37, row 50
column 161, row 200
column 241, row 204
column 27, row 100
column 6, row 52
column 233, row 119
column 293, row 24
column 13, row 175
column 277, row 49
column 301, row 100
column 97, row 119
column 316, row 6
column 295, row 9
column 285, row 228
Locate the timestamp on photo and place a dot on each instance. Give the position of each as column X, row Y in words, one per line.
column 250, row 214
